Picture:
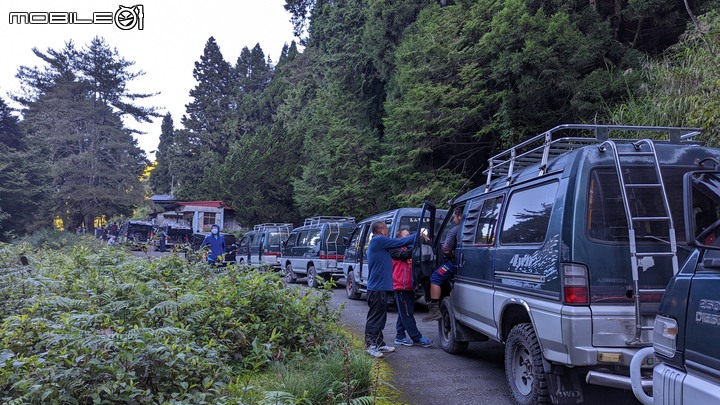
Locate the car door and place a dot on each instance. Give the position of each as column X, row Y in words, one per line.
column 351, row 259
column 288, row 248
column 298, row 260
column 424, row 260
column 473, row 291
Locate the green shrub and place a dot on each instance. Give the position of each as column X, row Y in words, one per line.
column 96, row 325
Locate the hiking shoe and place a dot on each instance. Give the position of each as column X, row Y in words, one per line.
column 403, row 342
column 374, row 352
column 424, row 342
column 386, row 349
column 433, row 312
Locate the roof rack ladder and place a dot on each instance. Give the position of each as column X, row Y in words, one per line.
column 633, row 220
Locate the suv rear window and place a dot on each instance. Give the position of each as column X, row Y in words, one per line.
column 274, row 238
column 606, row 219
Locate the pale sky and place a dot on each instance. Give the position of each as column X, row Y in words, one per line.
column 172, row 39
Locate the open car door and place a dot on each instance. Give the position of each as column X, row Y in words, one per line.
column 424, row 256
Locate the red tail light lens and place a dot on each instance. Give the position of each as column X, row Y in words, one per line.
column 575, row 284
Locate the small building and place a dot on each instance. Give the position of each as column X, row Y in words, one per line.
column 199, row 215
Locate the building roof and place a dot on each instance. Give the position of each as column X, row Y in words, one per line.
column 162, row 198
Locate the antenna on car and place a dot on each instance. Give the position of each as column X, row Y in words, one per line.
column 462, row 188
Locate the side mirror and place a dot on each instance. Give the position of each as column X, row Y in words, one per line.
column 346, row 240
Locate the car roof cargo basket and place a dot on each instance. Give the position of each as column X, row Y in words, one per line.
column 324, row 219
column 543, row 147
column 262, row 227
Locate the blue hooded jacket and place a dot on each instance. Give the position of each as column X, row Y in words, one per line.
column 216, row 243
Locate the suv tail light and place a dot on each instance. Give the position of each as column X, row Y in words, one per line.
column 269, row 253
column 665, row 335
column 575, row 284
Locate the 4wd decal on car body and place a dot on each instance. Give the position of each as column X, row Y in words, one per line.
column 531, row 270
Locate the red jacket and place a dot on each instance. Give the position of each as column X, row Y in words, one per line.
column 402, row 270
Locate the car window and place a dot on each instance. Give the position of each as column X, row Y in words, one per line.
column 368, row 238
column 291, row 240
column 313, row 237
column 528, row 215
column 355, row 238
column 274, row 238
column 606, row 219
column 487, row 221
column 411, row 223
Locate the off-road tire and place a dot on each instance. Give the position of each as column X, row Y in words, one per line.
column 290, row 276
column 447, row 329
column 351, row 287
column 312, row 277
column 523, row 367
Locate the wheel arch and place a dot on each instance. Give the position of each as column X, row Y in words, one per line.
column 514, row 312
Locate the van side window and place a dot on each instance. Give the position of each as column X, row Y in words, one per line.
column 302, row 238
column 291, row 240
column 528, row 215
column 481, row 221
column 488, row 221
column 313, row 237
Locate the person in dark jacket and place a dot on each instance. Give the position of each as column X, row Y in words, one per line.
column 216, row 242
column 379, row 286
column 446, row 270
column 404, row 291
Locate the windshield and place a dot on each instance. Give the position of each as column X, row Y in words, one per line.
column 411, row 223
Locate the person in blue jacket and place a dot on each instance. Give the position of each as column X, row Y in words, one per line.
column 380, row 286
column 216, row 242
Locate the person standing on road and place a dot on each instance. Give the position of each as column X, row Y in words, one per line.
column 404, row 290
column 379, row 286
column 216, row 242
column 446, row 271
column 161, row 239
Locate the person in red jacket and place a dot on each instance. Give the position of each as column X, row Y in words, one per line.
column 403, row 289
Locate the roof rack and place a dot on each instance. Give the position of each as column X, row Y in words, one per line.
column 541, row 148
column 262, row 227
column 324, row 219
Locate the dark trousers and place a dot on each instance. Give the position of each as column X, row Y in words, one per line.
column 376, row 318
column 406, row 316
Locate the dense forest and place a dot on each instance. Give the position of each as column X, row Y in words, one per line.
column 380, row 104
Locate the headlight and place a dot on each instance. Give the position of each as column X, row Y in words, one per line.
column 665, row 336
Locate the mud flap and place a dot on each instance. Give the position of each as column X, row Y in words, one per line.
column 563, row 385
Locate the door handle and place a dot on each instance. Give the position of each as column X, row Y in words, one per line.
column 462, row 259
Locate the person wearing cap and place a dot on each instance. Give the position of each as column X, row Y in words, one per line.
column 216, row 243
